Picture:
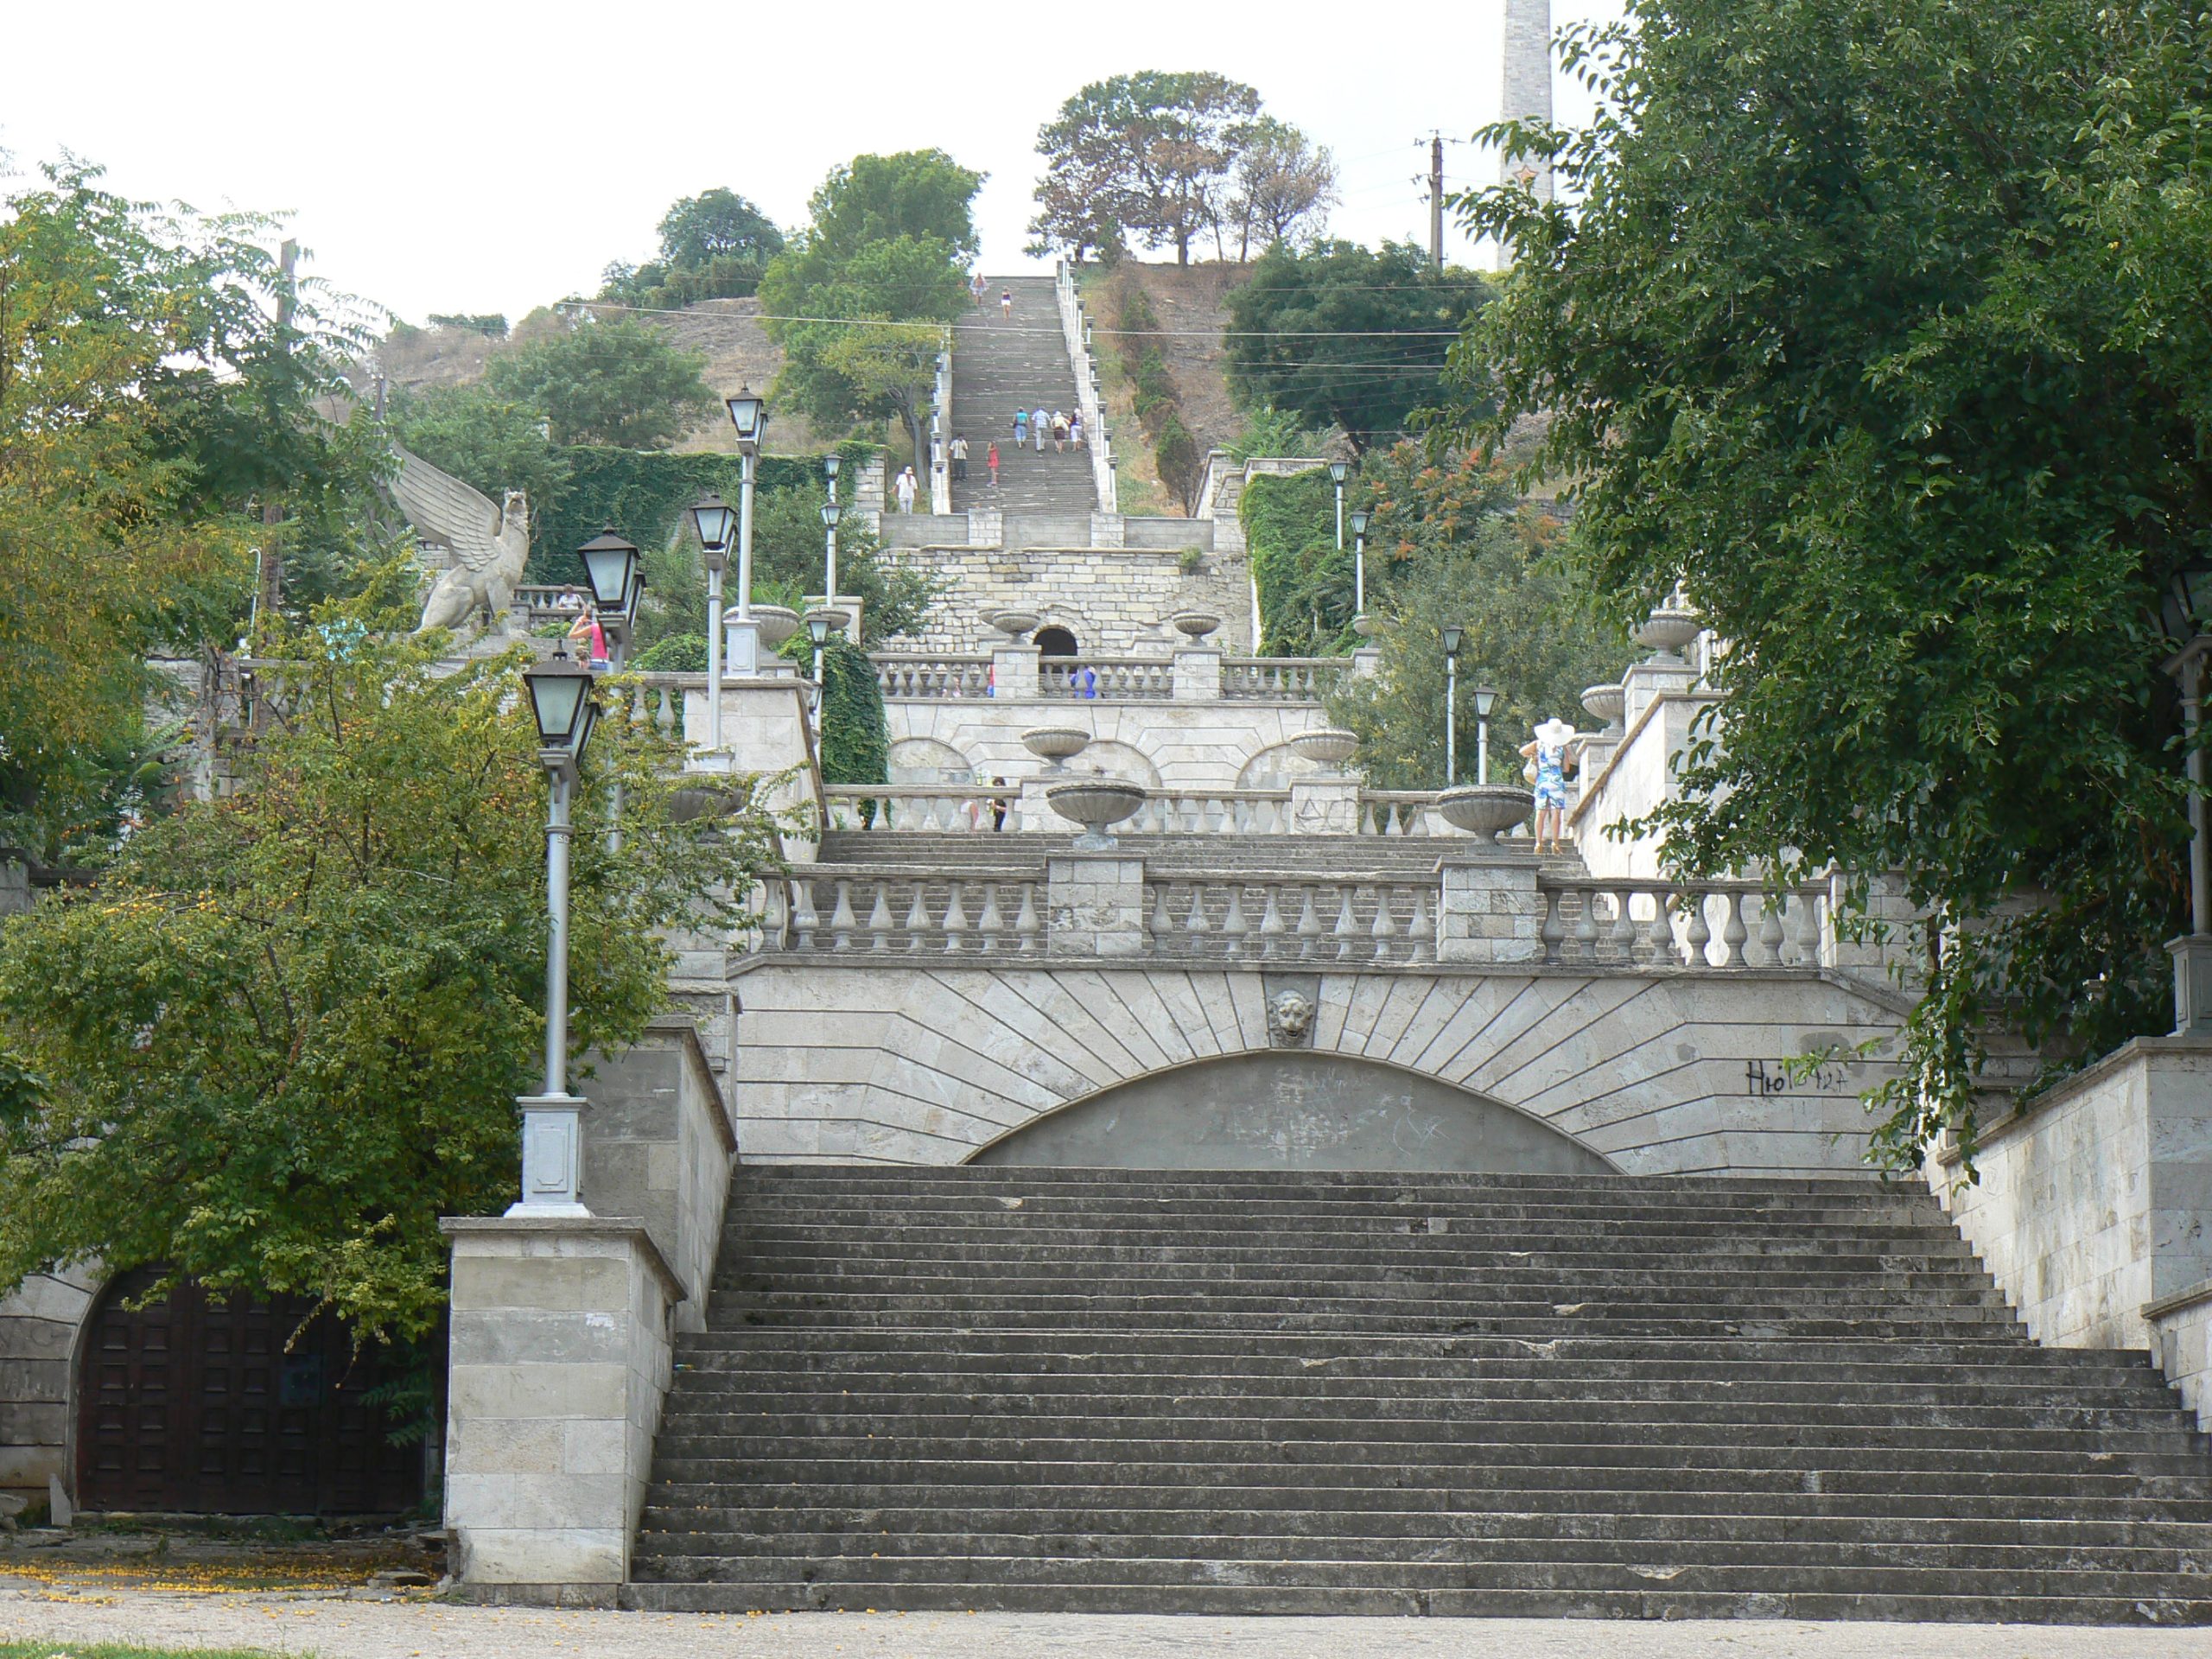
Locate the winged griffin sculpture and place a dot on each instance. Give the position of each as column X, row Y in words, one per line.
column 488, row 545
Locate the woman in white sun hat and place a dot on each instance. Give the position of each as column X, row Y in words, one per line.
column 1548, row 749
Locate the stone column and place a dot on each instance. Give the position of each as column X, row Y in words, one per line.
column 557, row 1365
column 1489, row 910
column 1197, row 675
column 1013, row 671
column 1094, row 904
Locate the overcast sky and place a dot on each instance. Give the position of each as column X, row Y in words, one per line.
column 472, row 156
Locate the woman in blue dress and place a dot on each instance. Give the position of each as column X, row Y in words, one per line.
column 1548, row 749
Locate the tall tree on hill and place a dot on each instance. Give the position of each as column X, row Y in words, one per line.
column 618, row 383
column 1881, row 328
column 878, row 277
column 1149, row 153
column 713, row 245
column 1282, row 187
column 1337, row 334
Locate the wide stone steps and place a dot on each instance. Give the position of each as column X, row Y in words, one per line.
column 1253, row 1391
column 1000, row 364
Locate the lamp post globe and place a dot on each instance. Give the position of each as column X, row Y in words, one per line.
column 748, row 414
column 831, row 463
column 716, row 523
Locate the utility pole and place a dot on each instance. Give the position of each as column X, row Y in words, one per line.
column 1436, row 200
column 271, row 589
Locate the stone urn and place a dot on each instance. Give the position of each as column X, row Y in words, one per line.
column 1605, row 703
column 777, row 623
column 1486, row 811
column 1056, row 745
column 1014, row 623
column 1194, row 625
column 1326, row 745
column 1668, row 630
column 1365, row 625
column 1096, row 802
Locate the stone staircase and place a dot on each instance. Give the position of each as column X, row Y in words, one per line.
column 1078, row 1390
column 1000, row 364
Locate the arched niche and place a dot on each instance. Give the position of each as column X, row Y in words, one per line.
column 1109, row 757
column 925, row 761
column 1055, row 641
column 1294, row 1109
column 1274, row 767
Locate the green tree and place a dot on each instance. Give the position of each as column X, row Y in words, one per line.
column 613, row 382
column 149, row 405
column 878, row 275
column 1882, row 329
column 1150, row 153
column 284, row 1033
column 1340, row 335
column 1281, row 189
column 483, row 439
column 713, row 245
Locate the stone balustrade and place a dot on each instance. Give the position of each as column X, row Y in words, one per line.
column 1241, row 679
column 934, row 676
column 1120, row 678
column 1606, row 921
column 876, row 908
column 1281, row 679
column 943, row 809
column 1286, row 918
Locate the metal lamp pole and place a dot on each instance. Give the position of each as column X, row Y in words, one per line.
column 749, row 415
column 820, row 625
column 1483, row 698
column 713, row 520
column 1336, row 470
column 552, row 1141
column 831, row 514
column 2186, row 606
column 1359, row 562
column 1451, row 706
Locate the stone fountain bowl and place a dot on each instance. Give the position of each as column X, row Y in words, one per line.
column 777, row 623
column 1197, row 625
column 1365, row 625
column 1014, row 623
column 1326, row 745
column 1055, row 745
column 1486, row 809
column 1668, row 630
column 1096, row 802
column 1605, row 703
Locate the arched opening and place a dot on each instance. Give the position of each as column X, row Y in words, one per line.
column 1055, row 642
column 1294, row 1109
column 925, row 761
column 194, row 1405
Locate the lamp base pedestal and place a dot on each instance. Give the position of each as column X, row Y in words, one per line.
column 742, row 655
column 2192, row 955
column 552, row 1157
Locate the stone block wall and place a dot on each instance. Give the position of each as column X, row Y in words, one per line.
column 2098, row 1199
column 38, row 1344
column 1114, row 600
column 1175, row 746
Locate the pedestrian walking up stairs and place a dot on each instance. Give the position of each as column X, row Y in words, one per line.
column 1104, row 1390
column 1000, row 364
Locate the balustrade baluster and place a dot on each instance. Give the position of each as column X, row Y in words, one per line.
column 1025, row 920
column 1420, row 929
column 1392, row 829
column 878, row 918
column 1699, row 933
column 1384, row 926
column 1732, row 932
column 803, row 916
column 1309, row 924
column 1244, row 815
column 1196, row 923
column 992, row 923
column 1585, row 926
column 1162, row 925
column 1417, row 820
column 633, row 705
column 840, row 919
column 1626, row 938
column 918, row 919
column 1551, row 931
column 1769, row 953
column 956, row 919
column 1661, row 940
column 664, row 718
column 1345, row 928
column 1233, row 928
column 1271, row 925
column 1808, row 927
column 1216, row 814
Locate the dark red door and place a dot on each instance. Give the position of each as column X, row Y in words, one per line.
column 194, row 1405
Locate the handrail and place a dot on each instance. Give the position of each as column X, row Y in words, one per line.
column 1595, row 919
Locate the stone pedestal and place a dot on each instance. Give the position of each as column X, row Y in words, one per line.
column 1014, row 672
column 1367, row 662
column 1646, row 682
column 1197, row 675
column 1324, row 803
column 741, row 645
column 1108, row 529
column 558, row 1364
column 1094, row 904
column 1489, row 910
column 2192, row 955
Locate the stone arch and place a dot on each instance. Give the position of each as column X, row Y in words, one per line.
column 1053, row 640
column 927, row 760
column 1274, row 767
column 1110, row 757
column 1294, row 1109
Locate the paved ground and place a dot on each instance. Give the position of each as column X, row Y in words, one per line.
column 331, row 1626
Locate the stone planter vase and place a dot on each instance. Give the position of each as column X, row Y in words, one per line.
column 1095, row 804
column 1605, row 703
column 1055, row 745
column 1486, row 811
column 777, row 623
column 1365, row 625
column 1194, row 625
column 1012, row 624
column 1668, row 630
column 1326, row 745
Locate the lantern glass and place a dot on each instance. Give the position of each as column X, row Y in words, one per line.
column 1452, row 642
column 831, row 513
column 1336, row 470
column 831, row 463
column 749, row 415
column 609, row 563
column 560, row 698
column 1485, row 699
column 2187, row 607
column 715, row 521
column 1359, row 523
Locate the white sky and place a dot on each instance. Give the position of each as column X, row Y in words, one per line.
column 476, row 157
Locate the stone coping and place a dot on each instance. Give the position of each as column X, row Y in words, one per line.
column 2180, row 1302
column 609, row 1227
column 1593, row 784
column 696, row 1050
column 2037, row 1106
column 932, row 956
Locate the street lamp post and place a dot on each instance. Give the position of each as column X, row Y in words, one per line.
column 1336, row 470
column 821, row 623
column 749, row 415
column 1359, row 562
column 552, row 1131
column 611, row 569
column 1451, row 705
column 715, row 523
column 831, row 514
column 1485, row 697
